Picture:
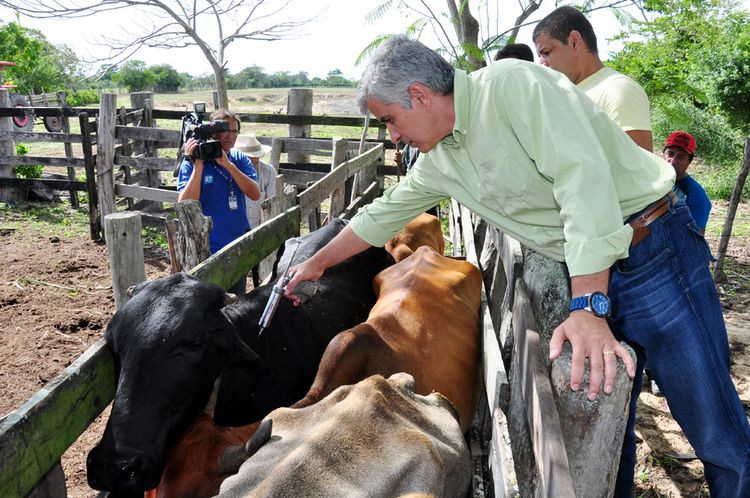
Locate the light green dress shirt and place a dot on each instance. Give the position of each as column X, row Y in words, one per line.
column 621, row 98
column 534, row 156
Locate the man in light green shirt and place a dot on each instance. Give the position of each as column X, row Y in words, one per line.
column 566, row 42
column 522, row 147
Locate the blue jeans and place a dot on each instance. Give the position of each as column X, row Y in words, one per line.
column 665, row 305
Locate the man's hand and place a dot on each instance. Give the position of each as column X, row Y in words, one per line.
column 224, row 162
column 307, row 270
column 189, row 146
column 590, row 338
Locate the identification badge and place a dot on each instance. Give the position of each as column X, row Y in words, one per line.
column 232, row 200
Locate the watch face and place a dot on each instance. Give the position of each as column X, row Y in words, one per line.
column 600, row 304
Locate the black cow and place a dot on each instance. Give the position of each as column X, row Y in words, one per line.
column 175, row 337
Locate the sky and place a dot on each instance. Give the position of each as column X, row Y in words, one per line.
column 332, row 41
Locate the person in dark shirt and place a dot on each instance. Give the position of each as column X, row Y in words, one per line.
column 679, row 150
column 515, row 51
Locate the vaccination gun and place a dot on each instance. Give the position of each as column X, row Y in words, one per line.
column 276, row 293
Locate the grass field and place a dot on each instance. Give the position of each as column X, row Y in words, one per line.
column 326, row 101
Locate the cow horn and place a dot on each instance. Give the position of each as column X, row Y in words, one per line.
column 130, row 290
column 229, row 298
column 211, row 405
column 233, row 457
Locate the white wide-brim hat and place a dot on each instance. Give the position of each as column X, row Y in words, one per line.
column 250, row 146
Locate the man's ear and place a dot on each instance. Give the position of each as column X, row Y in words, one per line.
column 575, row 40
column 420, row 93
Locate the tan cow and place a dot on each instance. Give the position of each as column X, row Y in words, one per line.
column 374, row 438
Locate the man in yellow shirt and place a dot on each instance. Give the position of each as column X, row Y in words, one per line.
column 524, row 148
column 566, row 42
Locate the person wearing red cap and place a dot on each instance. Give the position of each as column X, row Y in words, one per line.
column 679, row 150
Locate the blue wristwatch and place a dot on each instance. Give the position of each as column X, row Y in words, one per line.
column 597, row 303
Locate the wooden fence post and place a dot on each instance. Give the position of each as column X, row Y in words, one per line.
column 734, row 201
column 7, row 148
column 95, row 222
column 68, row 148
column 299, row 103
column 105, row 155
column 593, row 430
column 338, row 199
column 147, row 177
column 191, row 242
column 122, row 232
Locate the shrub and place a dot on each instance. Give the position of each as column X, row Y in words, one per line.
column 27, row 171
column 718, row 143
column 81, row 98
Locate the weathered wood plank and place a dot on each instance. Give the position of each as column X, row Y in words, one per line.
column 147, row 193
column 152, row 163
column 500, row 458
column 44, row 161
column 148, row 133
column 544, row 424
column 313, row 196
column 495, row 377
column 42, row 184
column 367, row 197
column 34, row 437
column 233, row 261
column 71, row 112
column 300, row 179
column 28, row 136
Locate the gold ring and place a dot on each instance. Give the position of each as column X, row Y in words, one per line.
column 605, row 353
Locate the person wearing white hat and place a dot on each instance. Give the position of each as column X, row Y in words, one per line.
column 254, row 150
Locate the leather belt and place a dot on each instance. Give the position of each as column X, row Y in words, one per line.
column 653, row 212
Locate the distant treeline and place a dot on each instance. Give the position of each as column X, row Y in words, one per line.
column 136, row 76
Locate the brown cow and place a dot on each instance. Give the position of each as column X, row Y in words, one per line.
column 425, row 322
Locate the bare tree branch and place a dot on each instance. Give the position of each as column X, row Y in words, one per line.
column 183, row 24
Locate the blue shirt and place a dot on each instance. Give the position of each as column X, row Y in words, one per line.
column 696, row 199
column 216, row 186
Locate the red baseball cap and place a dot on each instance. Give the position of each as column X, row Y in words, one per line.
column 683, row 140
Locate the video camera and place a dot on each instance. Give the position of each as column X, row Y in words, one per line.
column 194, row 127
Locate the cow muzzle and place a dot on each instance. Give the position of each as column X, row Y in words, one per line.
column 122, row 472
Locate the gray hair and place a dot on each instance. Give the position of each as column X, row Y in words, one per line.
column 396, row 64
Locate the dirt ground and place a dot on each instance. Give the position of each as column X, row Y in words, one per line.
column 56, row 300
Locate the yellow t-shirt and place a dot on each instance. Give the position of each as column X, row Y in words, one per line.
column 620, row 97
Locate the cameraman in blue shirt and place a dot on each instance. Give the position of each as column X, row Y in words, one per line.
column 221, row 185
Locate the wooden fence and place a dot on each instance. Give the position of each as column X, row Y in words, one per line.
column 33, row 438
column 127, row 140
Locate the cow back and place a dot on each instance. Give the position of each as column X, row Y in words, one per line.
column 427, row 314
column 374, row 438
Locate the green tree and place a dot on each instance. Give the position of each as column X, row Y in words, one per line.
column 40, row 65
column 135, row 76
column 180, row 23
column 166, row 78
column 693, row 60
